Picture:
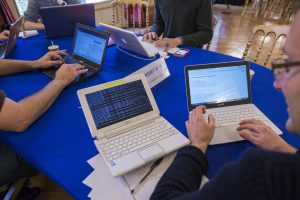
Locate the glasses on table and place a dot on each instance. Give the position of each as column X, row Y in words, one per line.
column 280, row 66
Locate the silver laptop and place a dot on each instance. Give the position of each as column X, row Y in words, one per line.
column 125, row 121
column 224, row 88
column 15, row 29
column 128, row 40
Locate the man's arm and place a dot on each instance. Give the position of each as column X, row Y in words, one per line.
column 33, row 25
column 203, row 24
column 18, row 116
column 15, row 66
column 4, row 35
column 31, row 16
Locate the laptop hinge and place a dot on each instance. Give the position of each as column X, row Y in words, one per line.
column 134, row 125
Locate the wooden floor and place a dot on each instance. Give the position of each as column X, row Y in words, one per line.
column 230, row 37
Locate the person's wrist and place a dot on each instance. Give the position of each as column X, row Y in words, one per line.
column 178, row 41
column 35, row 64
column 200, row 145
column 60, row 83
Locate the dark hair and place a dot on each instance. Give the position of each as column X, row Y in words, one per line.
column 296, row 6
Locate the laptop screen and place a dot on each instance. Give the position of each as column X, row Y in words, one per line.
column 119, row 103
column 218, row 85
column 89, row 45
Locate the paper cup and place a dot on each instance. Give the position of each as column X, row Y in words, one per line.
column 53, row 48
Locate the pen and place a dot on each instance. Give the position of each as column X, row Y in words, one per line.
column 153, row 166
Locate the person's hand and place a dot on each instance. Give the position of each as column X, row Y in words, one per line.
column 150, row 37
column 4, row 35
column 168, row 43
column 200, row 132
column 263, row 136
column 50, row 59
column 68, row 72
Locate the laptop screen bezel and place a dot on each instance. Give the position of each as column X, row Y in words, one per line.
column 94, row 31
column 119, row 125
column 217, row 65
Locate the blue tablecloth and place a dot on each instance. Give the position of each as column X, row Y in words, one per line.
column 59, row 143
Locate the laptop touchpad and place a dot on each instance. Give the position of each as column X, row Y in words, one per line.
column 151, row 152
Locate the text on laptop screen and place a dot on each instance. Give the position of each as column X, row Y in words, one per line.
column 89, row 46
column 119, row 103
column 217, row 85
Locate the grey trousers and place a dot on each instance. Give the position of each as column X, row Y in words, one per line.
column 12, row 167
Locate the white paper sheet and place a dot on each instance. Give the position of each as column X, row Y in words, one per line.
column 105, row 186
column 92, row 179
column 29, row 34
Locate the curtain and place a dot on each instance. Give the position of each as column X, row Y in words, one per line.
column 6, row 11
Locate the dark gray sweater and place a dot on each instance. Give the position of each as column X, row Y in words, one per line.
column 189, row 19
column 259, row 175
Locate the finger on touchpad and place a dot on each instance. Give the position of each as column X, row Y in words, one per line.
column 151, row 152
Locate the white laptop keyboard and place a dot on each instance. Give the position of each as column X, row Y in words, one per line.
column 136, row 139
column 232, row 116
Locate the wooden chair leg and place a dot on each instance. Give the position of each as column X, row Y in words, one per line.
column 245, row 6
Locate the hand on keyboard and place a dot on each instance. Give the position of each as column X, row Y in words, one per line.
column 50, row 59
column 68, row 72
column 263, row 136
column 150, row 37
column 200, row 132
column 168, row 43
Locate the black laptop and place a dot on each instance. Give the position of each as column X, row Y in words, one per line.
column 89, row 49
column 62, row 20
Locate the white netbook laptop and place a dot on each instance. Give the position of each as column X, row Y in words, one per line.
column 128, row 40
column 15, row 29
column 125, row 121
column 224, row 88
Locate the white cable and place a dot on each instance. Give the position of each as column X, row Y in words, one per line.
column 135, row 56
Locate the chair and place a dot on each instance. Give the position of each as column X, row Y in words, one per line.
column 283, row 6
column 279, row 33
column 215, row 21
column 125, row 12
column 257, row 6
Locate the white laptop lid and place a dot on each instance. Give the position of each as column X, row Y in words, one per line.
column 127, row 40
column 218, row 84
column 106, row 110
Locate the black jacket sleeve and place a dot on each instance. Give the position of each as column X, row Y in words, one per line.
column 203, row 25
column 258, row 175
column 184, row 174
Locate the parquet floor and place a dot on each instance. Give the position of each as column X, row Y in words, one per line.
column 233, row 31
column 230, row 37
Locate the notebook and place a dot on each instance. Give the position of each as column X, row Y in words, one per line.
column 125, row 121
column 15, row 29
column 89, row 49
column 224, row 88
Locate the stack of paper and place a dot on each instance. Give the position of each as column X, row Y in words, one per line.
column 105, row 186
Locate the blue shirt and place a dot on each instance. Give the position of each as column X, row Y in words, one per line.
column 32, row 13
